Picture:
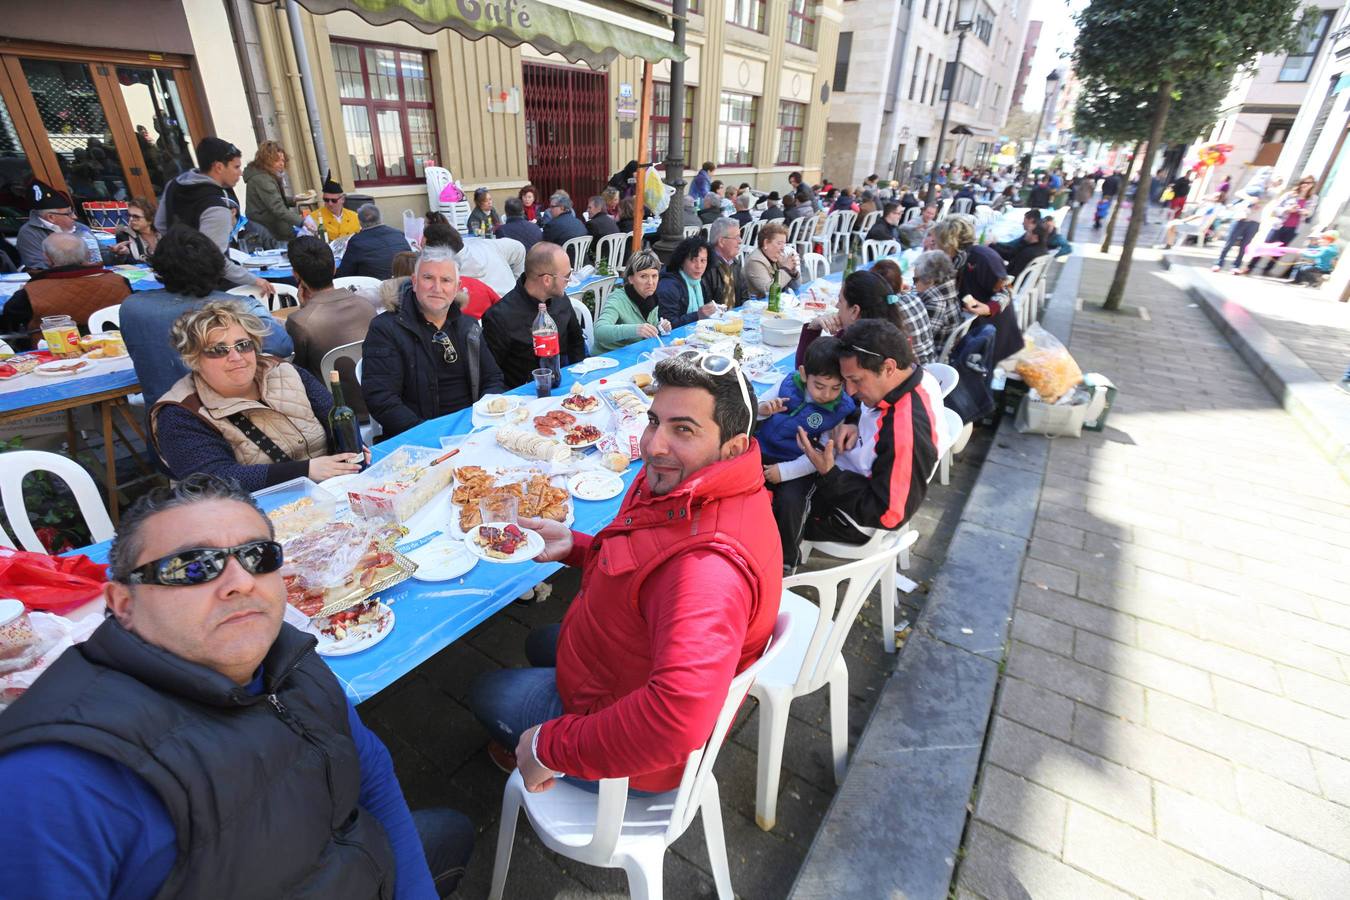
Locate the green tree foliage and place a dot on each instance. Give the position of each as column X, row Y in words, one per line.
column 1104, row 113
column 1134, row 48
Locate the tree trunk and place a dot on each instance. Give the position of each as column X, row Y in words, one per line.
column 1117, row 292
column 1120, row 198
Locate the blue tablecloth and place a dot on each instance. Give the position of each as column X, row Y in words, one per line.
column 431, row 616
column 56, row 390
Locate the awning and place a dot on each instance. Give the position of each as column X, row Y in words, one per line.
column 592, row 32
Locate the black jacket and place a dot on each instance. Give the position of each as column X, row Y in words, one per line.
column 743, row 216
column 561, row 229
column 709, row 214
column 371, row 252
column 716, row 278
column 399, row 374
column 507, row 332
column 770, row 213
column 521, row 229
column 672, row 298
column 1039, row 198
column 262, row 789
column 601, row 225
column 881, row 230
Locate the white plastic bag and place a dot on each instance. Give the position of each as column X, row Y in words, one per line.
column 412, row 227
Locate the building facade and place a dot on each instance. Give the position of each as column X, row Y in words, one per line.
column 114, row 112
column 894, row 72
column 1262, row 104
column 1316, row 141
column 1029, row 46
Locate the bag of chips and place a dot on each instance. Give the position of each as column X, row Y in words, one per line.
column 1045, row 364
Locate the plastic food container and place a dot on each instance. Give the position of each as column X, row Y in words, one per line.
column 781, row 332
column 396, row 487
column 297, row 506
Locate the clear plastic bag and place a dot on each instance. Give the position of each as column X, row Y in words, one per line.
column 325, row 558
column 1045, row 364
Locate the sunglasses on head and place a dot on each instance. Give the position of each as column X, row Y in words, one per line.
column 200, row 565
column 220, row 351
column 717, row 365
column 854, row 348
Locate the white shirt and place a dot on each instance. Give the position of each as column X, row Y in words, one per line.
column 479, row 259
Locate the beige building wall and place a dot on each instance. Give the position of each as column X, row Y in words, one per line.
column 487, row 149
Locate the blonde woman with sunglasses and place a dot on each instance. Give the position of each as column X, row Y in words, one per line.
column 1294, row 209
column 238, row 414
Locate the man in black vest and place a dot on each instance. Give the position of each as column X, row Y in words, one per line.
column 203, row 198
column 195, row 746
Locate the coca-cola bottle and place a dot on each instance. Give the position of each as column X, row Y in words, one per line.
column 546, row 344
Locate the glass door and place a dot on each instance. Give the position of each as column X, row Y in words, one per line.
column 159, row 122
column 76, row 126
column 16, row 176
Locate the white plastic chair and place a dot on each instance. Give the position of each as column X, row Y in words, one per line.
column 963, row 205
column 611, row 249
column 284, row 295
column 814, row 265
column 576, row 249
column 878, row 539
column 877, row 249
column 357, row 283
column 811, row 658
column 16, row 464
column 946, row 376
column 954, row 337
column 105, row 318
column 913, row 214
column 1023, row 289
column 865, row 224
column 437, row 178
column 583, row 315
column 842, row 232
column 956, row 434
column 799, row 234
column 613, row 830
column 458, row 213
column 1198, row 230
column 749, row 232
column 371, row 430
column 691, row 230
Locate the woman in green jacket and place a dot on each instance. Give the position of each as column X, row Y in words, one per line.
column 630, row 314
column 267, row 204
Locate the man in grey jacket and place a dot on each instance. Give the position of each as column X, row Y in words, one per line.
column 203, row 198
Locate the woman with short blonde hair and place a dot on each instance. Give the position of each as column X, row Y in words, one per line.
column 238, row 413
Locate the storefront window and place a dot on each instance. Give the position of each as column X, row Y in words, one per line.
column 388, row 111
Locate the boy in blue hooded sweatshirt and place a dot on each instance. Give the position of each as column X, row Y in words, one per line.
column 812, row 399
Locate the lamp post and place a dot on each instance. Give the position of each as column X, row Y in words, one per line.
column 965, row 19
column 671, row 231
column 1050, row 81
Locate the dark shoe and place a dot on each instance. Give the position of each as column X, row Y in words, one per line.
column 501, row 757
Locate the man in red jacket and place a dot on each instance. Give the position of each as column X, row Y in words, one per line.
column 678, row 594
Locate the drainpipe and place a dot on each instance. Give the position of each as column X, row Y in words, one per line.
column 244, row 30
column 307, row 83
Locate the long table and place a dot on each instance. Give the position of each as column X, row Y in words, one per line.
column 431, row 616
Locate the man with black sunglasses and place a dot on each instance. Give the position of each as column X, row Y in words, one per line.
column 426, row 358
column 874, row 474
column 195, row 745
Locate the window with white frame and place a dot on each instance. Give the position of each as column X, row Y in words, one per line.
column 791, row 123
column 736, row 129
column 388, row 111
column 746, row 13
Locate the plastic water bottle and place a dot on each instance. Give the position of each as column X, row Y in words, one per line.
column 94, row 255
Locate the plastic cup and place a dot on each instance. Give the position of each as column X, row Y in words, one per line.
column 543, row 382
column 498, row 509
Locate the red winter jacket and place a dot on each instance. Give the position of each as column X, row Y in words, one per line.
column 679, row 594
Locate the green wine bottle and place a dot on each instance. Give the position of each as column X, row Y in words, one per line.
column 775, row 293
column 851, row 265
column 344, row 432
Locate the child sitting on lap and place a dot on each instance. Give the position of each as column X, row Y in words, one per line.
column 811, row 399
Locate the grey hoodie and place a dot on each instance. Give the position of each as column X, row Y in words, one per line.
column 216, row 223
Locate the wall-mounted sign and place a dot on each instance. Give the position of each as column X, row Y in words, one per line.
column 502, row 99
column 626, row 105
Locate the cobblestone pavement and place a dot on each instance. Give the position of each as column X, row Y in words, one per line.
column 1174, row 717
column 1310, row 322
column 438, row 747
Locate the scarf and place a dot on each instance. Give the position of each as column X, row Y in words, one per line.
column 695, row 289
column 644, row 305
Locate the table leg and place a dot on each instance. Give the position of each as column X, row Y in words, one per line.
column 70, row 433
column 110, row 454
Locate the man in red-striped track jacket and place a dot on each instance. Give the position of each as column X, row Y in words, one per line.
column 878, row 477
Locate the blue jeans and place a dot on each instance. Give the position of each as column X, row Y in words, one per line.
column 1239, row 236
column 509, row 702
column 447, row 840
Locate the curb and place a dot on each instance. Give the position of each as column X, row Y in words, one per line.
column 895, row 825
column 1315, row 404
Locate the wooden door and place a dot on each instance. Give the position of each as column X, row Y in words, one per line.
column 566, row 131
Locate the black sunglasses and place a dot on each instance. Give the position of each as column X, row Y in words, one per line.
column 220, row 351
column 447, row 347
column 201, row 565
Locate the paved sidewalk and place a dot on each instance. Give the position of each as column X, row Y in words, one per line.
column 1309, row 322
column 1174, row 717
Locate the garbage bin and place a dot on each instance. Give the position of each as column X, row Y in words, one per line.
column 1104, row 394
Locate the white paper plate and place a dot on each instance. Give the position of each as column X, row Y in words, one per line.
column 53, row 369
column 584, row 446
column 359, row 639
column 599, row 406
column 443, row 559
column 533, row 546
column 595, row 485
column 511, row 403
column 593, row 364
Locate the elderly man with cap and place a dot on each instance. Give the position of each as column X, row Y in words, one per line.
column 52, row 214
column 66, row 284
column 773, row 208
column 203, row 199
column 336, row 219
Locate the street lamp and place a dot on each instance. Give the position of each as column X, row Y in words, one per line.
column 965, row 19
column 1050, row 81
